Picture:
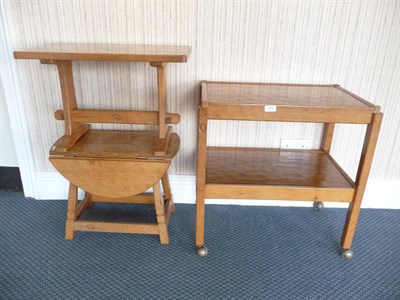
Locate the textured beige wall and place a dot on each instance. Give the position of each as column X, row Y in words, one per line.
column 353, row 43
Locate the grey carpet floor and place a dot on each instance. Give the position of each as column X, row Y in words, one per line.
column 254, row 253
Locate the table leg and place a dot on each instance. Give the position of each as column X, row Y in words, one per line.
column 160, row 211
column 326, row 143
column 68, row 95
column 71, row 212
column 162, row 97
column 167, row 190
column 367, row 155
column 327, row 137
column 201, row 177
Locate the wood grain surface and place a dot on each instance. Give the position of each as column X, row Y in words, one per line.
column 114, row 178
column 271, row 167
column 282, row 94
column 120, row 145
column 106, row 52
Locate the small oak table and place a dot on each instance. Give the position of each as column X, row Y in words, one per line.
column 111, row 165
column 254, row 173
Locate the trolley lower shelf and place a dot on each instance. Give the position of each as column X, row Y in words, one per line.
column 252, row 173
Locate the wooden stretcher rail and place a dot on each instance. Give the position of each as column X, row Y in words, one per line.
column 290, row 114
column 145, row 198
column 263, row 192
column 116, row 227
column 117, row 116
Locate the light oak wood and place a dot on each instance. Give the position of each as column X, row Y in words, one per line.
column 163, row 144
column 90, row 199
column 85, row 203
column 160, row 211
column 119, row 117
column 339, row 168
column 370, row 141
column 271, row 167
column 168, row 198
column 292, row 103
column 358, row 98
column 66, row 142
column 327, row 136
column 67, row 94
column 201, row 174
column 163, row 214
column 110, row 165
column 114, row 144
column 162, row 97
column 71, row 212
column 94, row 175
column 272, row 192
column 294, row 95
column 204, row 97
column 308, row 175
column 116, row 227
column 271, row 84
column 167, row 191
column 145, row 198
column 106, row 52
column 59, row 115
column 253, row 149
column 316, row 114
column 169, row 208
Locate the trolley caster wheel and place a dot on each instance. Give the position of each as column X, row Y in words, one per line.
column 202, row 251
column 347, row 254
column 318, row 205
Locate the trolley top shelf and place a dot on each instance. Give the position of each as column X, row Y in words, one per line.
column 285, row 102
column 107, row 52
column 283, row 94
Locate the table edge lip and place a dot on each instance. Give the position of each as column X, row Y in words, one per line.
column 368, row 105
column 35, row 53
column 244, row 185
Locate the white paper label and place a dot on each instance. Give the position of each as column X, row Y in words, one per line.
column 270, row 108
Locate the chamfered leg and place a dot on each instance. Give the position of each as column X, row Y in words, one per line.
column 160, row 211
column 371, row 137
column 201, row 180
column 167, row 191
column 71, row 212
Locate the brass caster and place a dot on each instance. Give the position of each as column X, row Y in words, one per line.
column 347, row 254
column 202, row 251
column 318, row 205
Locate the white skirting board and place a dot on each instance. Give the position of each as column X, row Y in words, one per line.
column 379, row 193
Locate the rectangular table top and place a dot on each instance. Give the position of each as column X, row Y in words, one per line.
column 284, row 95
column 107, row 52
